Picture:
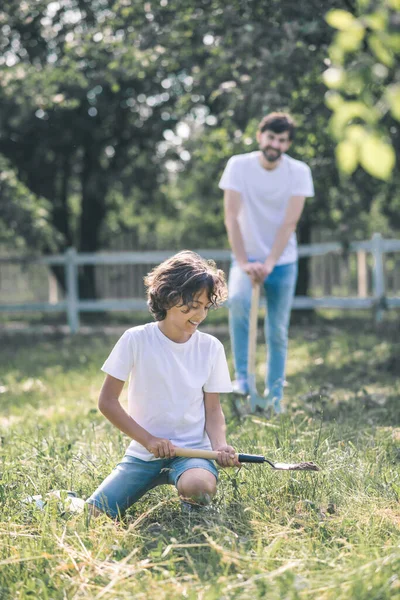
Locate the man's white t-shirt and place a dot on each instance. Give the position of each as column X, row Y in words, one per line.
column 167, row 382
column 265, row 195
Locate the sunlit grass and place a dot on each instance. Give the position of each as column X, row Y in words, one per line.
column 328, row 535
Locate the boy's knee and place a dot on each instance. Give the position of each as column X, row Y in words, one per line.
column 197, row 489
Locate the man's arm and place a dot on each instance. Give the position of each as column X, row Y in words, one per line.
column 293, row 213
column 111, row 408
column 216, row 430
column 232, row 205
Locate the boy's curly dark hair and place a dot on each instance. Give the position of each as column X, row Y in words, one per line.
column 177, row 280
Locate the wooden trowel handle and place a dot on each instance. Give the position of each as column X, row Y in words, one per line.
column 195, row 453
column 213, row 455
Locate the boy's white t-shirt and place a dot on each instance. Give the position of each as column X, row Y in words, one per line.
column 265, row 195
column 166, row 383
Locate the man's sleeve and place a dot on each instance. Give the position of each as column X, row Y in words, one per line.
column 231, row 179
column 303, row 182
column 219, row 380
column 120, row 361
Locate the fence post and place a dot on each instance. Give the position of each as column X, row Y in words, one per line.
column 362, row 274
column 71, row 271
column 378, row 276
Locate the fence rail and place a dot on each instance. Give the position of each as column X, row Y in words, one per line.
column 73, row 305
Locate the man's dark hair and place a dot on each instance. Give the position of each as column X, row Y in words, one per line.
column 177, row 280
column 278, row 123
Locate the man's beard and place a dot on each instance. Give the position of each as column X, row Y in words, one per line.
column 271, row 154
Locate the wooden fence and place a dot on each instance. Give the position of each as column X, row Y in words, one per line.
column 376, row 299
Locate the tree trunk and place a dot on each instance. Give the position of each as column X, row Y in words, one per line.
column 94, row 190
column 61, row 216
column 304, row 237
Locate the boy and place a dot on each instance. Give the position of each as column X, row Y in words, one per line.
column 175, row 376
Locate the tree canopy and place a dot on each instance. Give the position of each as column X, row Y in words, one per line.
column 120, row 116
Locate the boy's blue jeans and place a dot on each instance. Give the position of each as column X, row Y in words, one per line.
column 133, row 477
column 279, row 289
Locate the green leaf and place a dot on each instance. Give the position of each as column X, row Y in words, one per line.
column 333, row 100
column 356, row 133
column 339, row 19
column 376, row 21
column 336, row 54
column 350, row 39
column 377, row 157
column 394, row 4
column 346, row 112
column 393, row 97
column 379, row 49
column 393, row 41
column 347, row 156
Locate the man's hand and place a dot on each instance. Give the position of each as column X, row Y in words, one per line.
column 268, row 267
column 160, row 447
column 227, row 457
column 255, row 270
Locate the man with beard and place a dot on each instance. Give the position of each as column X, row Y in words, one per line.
column 264, row 196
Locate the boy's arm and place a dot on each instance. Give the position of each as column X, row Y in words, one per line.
column 215, row 428
column 111, row 408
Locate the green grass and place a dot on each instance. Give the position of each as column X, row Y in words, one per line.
column 330, row 535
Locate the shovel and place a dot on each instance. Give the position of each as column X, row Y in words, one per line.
column 256, row 402
column 248, row 458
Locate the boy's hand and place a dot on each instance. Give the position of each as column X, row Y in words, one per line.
column 161, row 448
column 227, row 457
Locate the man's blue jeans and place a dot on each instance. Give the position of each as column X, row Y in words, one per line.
column 279, row 289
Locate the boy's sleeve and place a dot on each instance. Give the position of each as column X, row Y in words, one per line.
column 303, row 182
column 231, row 179
column 219, row 380
column 120, row 361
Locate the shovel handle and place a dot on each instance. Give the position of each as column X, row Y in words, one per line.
column 213, row 455
column 252, row 340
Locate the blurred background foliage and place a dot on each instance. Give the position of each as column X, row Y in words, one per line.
column 118, row 116
column 364, row 78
